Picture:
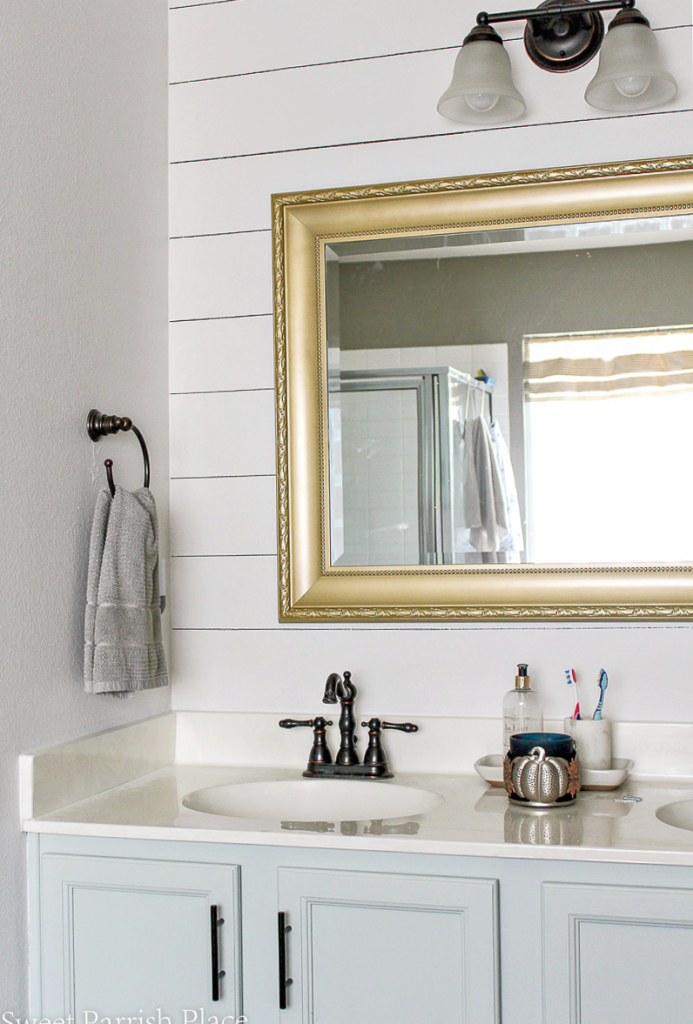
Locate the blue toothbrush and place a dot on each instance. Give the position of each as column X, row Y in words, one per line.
column 602, row 682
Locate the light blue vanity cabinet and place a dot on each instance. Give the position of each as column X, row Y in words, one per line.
column 125, row 931
column 618, row 954
column 122, row 926
column 390, row 947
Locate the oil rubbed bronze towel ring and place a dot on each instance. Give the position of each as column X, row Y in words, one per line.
column 100, row 425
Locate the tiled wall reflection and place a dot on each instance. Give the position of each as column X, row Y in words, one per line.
column 380, row 450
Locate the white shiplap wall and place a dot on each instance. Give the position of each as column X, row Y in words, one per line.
column 269, row 97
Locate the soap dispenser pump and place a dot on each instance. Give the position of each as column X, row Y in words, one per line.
column 521, row 708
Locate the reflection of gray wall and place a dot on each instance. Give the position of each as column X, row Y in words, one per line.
column 500, row 298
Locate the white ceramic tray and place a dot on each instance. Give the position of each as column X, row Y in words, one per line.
column 605, row 778
column 490, row 768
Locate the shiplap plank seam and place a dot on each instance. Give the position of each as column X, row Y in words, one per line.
column 231, row 195
column 220, row 234
column 205, row 319
column 219, row 391
column 227, row 476
column 430, row 135
column 322, row 64
column 369, row 627
column 227, row 316
column 205, row 3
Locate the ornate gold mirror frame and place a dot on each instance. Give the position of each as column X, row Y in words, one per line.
column 310, row 588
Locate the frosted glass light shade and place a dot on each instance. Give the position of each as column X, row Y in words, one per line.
column 631, row 75
column 482, row 89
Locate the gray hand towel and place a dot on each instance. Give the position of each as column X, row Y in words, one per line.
column 123, row 651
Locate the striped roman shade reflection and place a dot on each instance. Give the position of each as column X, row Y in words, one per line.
column 607, row 363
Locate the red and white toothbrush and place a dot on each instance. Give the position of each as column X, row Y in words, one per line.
column 572, row 678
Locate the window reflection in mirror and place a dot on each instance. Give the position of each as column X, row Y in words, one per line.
column 609, row 419
column 442, row 352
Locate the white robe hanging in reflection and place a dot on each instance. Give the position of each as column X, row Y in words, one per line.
column 513, row 543
column 485, row 508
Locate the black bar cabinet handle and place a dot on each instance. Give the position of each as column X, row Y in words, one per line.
column 284, row 982
column 215, row 921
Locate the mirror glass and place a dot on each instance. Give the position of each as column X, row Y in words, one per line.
column 520, row 395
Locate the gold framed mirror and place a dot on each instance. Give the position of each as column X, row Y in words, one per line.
column 625, row 207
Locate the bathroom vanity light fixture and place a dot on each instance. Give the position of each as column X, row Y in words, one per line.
column 560, row 35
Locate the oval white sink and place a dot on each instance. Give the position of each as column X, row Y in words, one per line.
column 679, row 814
column 313, row 800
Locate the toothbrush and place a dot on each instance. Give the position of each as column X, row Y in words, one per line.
column 602, row 683
column 570, row 677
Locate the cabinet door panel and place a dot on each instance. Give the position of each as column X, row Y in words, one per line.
column 617, row 954
column 383, row 947
column 133, row 937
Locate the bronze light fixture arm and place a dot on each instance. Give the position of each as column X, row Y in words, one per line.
column 484, row 18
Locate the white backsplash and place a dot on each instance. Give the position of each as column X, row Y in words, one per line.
column 61, row 775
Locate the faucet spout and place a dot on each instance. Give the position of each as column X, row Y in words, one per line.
column 340, row 689
column 344, row 691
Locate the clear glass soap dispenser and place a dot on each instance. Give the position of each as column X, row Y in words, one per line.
column 521, row 708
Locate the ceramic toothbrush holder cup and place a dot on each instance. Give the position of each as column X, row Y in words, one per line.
column 593, row 741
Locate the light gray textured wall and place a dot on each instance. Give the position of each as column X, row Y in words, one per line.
column 83, row 296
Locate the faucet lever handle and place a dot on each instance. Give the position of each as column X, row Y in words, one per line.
column 403, row 726
column 319, row 752
column 293, row 723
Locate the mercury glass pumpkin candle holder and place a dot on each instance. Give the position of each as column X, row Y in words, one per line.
column 541, row 769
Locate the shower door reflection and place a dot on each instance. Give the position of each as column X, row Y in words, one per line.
column 395, row 438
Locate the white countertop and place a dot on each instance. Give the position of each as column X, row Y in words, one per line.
column 125, row 794
column 473, row 819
